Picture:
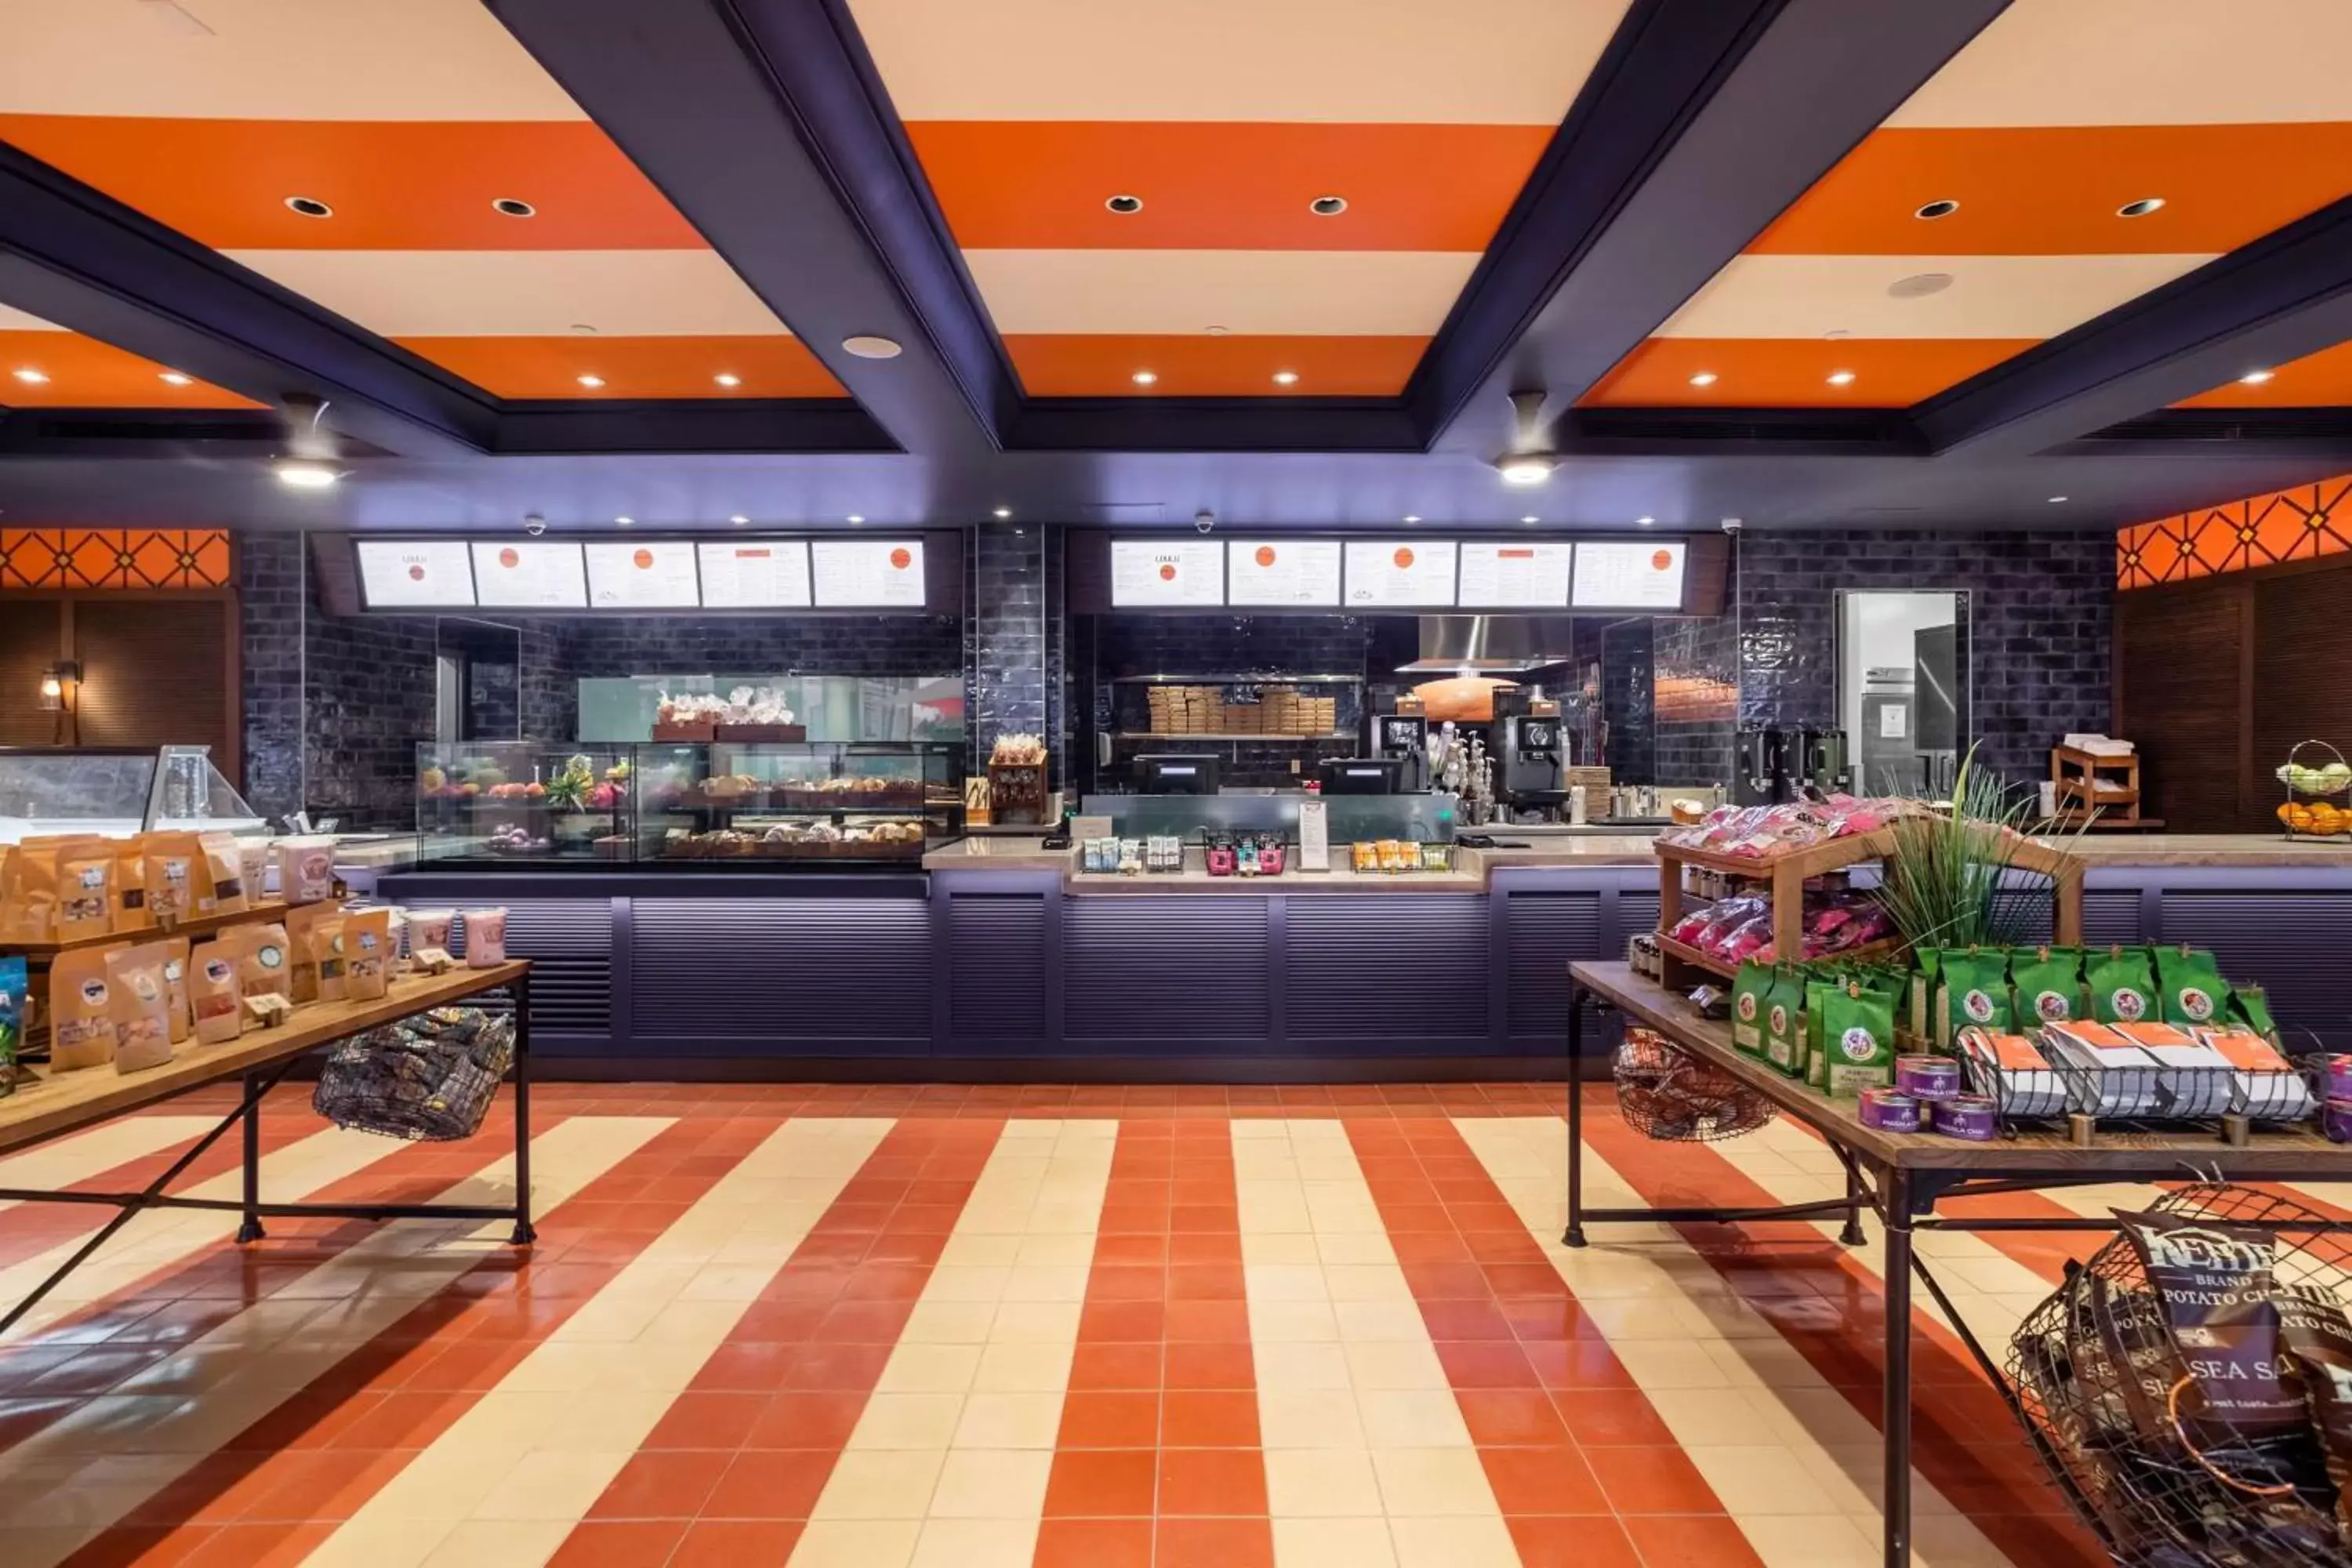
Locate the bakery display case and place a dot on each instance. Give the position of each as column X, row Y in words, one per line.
column 837, row 801
column 116, row 792
column 504, row 801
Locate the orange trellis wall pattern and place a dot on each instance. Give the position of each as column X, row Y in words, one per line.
column 85, row 559
column 2261, row 530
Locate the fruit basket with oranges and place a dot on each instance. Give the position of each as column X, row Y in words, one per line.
column 2316, row 803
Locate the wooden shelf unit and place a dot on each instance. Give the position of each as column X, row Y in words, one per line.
column 41, row 952
column 2087, row 783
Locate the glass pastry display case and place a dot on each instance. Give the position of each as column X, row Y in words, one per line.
column 502, row 801
column 116, row 792
column 795, row 801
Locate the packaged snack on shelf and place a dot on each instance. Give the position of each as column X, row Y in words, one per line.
column 129, row 911
column 1965, row 1116
column 224, row 868
column 2122, row 983
column 252, row 855
column 1784, row 1022
column 301, row 955
column 12, row 1020
column 2318, row 1338
column 175, row 984
column 1973, row 989
column 429, row 933
column 2046, row 984
column 1890, row 1110
column 2012, row 1072
column 327, row 953
column 1928, row 1077
column 367, row 949
column 141, row 1005
column 306, row 869
column 174, row 871
column 2190, row 987
column 2213, row 1282
column 2193, row 1079
column 2106, row 1073
column 2265, row 1085
column 1749, row 990
column 81, row 1015
column 2250, row 1008
column 86, row 891
column 262, row 969
column 1813, row 1062
column 212, row 993
column 1858, row 1030
column 1925, row 967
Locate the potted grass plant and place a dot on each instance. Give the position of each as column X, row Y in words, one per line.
column 1953, row 877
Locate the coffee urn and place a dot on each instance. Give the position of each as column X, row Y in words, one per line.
column 1826, row 768
column 1766, row 765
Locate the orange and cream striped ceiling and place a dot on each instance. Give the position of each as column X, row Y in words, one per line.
column 1227, row 120
column 2061, row 115
column 408, row 121
column 43, row 366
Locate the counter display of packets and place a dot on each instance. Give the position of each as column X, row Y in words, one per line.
column 2012, row 1072
column 2140, row 1070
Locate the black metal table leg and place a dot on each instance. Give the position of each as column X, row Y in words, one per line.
column 1851, row 1236
column 1896, row 1421
column 249, row 1228
column 1575, row 1237
column 524, row 1234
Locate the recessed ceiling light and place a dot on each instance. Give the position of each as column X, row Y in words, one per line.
column 1645, row 521
column 728, row 378
column 2256, row 377
column 2055, row 501
column 1530, row 518
column 1124, row 205
column 591, row 381
column 625, row 521
column 30, row 376
column 1327, row 206
column 738, row 519
column 855, row 518
column 1841, row 378
column 584, row 328
column 513, row 208
column 1144, row 377
column 1937, row 209
column 1526, row 468
column 867, row 347
column 1216, row 332
column 1003, row 513
column 309, row 207
column 1409, row 517
column 174, row 378
column 307, row 476
column 2141, row 207
column 1285, row 378
column 1919, row 285
column 1704, row 378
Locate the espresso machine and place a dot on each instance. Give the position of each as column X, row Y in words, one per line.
column 1404, row 738
column 1532, row 757
column 1768, row 756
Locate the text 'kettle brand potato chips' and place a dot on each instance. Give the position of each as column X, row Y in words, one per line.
column 2318, row 1338
column 1747, row 1006
column 2190, row 987
column 1974, row 987
column 1858, row 1032
column 2123, row 985
column 2046, row 986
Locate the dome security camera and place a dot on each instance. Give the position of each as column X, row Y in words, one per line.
column 534, row 526
column 1204, row 522
column 1733, row 525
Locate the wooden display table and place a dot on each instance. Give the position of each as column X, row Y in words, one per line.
column 1902, row 1176
column 56, row 1103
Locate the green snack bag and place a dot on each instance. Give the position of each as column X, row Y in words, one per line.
column 1860, row 1032
column 1975, row 992
column 2190, row 987
column 1923, row 992
column 1784, row 1022
column 1818, row 989
column 2250, row 1007
column 2122, row 985
column 2046, row 986
column 1748, row 1003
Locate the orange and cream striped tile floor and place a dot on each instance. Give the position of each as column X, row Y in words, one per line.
column 917, row 1327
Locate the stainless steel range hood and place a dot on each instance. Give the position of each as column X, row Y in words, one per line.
column 1491, row 645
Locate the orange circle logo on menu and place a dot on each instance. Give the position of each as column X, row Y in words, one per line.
column 509, row 556
column 1265, row 554
column 901, row 559
column 1168, row 570
column 1662, row 561
column 1403, row 558
column 416, row 573
column 645, row 560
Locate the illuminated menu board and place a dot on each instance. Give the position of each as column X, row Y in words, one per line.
column 532, row 574
column 755, row 574
column 1273, row 572
column 1514, row 576
column 858, row 573
column 1400, row 574
column 1629, row 575
column 416, row 574
column 1160, row 573
column 657, row 575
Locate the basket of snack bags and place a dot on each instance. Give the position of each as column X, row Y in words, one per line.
column 428, row 1077
column 1665, row 1093
column 2190, row 1387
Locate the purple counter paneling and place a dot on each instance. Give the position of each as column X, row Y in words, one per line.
column 1388, row 972
column 996, row 966
column 1180, row 967
column 779, row 975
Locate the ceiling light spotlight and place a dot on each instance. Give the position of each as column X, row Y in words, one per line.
column 624, row 522
column 1124, row 205
column 1144, row 377
column 2057, row 500
column 1327, row 206
column 738, row 519
column 1530, row 459
column 1917, row 286
column 1937, row 209
column 309, row 207
column 174, row 378
column 302, row 475
column 1527, row 467
column 1703, row 378
column 1841, row 378
column 2141, row 207
column 1530, row 519
column 2256, row 377
column 855, row 519
column 1002, row 513
column 868, row 346
column 728, row 378
column 1646, row 522
column 30, row 376
column 1411, row 517
column 510, row 208
column 589, row 382
column 1285, row 378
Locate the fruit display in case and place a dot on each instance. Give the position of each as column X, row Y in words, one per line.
column 519, row 799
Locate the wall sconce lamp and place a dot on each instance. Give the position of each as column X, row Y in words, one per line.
column 54, row 682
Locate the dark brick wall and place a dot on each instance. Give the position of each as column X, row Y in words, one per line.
column 1627, row 699
column 2041, row 609
column 1695, row 752
column 1009, row 634
column 274, row 600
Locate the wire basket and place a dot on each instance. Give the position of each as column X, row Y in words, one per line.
column 1664, row 1092
column 2110, row 1406
column 2309, row 813
column 429, row 1077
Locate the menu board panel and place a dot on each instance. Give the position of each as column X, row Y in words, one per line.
column 755, row 574
column 859, row 574
column 1400, row 574
column 1504, row 575
column 532, row 575
column 657, row 575
column 1303, row 572
column 1629, row 575
column 1148, row 573
column 416, row 574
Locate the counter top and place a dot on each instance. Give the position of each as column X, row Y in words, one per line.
column 1000, row 852
column 2206, row 849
